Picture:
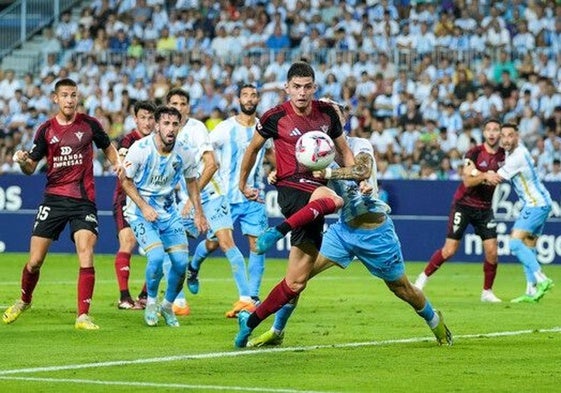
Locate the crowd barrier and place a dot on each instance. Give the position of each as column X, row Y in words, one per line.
column 419, row 210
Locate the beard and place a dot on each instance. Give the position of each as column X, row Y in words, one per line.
column 248, row 110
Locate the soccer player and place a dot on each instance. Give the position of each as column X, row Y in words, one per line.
column 144, row 120
column 213, row 195
column 472, row 206
column 364, row 231
column 153, row 168
column 66, row 141
column 229, row 139
column 304, row 199
column 520, row 170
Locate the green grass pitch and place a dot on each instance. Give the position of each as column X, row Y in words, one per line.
column 349, row 334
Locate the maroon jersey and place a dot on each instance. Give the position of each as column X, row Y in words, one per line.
column 69, row 153
column 285, row 127
column 119, row 196
column 481, row 195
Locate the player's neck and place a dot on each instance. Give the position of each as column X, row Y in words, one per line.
column 245, row 120
column 491, row 149
column 65, row 120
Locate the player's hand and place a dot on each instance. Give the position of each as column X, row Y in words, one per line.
column 492, row 177
column 365, row 187
column 21, row 156
column 149, row 213
column 272, row 177
column 252, row 194
column 319, row 174
column 201, row 223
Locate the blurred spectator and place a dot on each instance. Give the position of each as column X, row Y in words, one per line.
column 555, row 174
column 9, row 85
column 66, row 30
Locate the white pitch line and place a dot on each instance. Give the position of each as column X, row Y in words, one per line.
column 159, row 385
column 214, row 355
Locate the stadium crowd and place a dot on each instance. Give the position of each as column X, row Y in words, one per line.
column 418, row 77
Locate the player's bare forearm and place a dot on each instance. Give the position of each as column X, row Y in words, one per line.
column 26, row 164
column 361, row 170
column 210, row 168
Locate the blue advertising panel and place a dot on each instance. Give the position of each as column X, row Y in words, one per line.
column 419, row 210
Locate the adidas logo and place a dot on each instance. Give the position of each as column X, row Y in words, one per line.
column 483, row 164
column 295, row 132
column 54, row 140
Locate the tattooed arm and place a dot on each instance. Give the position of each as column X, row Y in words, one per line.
column 361, row 170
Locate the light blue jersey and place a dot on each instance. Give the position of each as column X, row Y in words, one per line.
column 156, row 175
column 378, row 248
column 195, row 135
column 356, row 203
column 519, row 168
column 230, row 140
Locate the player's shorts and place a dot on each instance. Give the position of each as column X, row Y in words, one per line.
column 119, row 216
column 482, row 220
column 290, row 201
column 378, row 249
column 252, row 217
column 169, row 233
column 56, row 211
column 532, row 219
column 217, row 212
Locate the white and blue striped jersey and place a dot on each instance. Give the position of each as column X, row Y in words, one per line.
column 230, row 140
column 355, row 203
column 156, row 175
column 195, row 134
column 519, row 168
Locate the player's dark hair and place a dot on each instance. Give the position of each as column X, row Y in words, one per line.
column 246, row 86
column 146, row 105
column 491, row 120
column 166, row 110
column 300, row 69
column 65, row 82
column 178, row 92
column 510, row 125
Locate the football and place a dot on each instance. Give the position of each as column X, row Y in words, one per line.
column 315, row 150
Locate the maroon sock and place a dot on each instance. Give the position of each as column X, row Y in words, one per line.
column 314, row 209
column 489, row 273
column 435, row 262
column 122, row 270
column 86, row 281
column 278, row 297
column 28, row 282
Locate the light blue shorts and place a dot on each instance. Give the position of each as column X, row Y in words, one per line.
column 252, row 217
column 378, row 249
column 532, row 219
column 217, row 212
column 169, row 233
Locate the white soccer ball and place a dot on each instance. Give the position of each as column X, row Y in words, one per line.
column 2, row 246
column 315, row 150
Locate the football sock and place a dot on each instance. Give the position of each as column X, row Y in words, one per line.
column 143, row 292
column 489, row 273
column 176, row 275
column 525, row 255
column 201, row 253
column 86, row 282
column 435, row 262
column 28, row 283
column 237, row 263
column 428, row 314
column 282, row 316
column 278, row 297
column 314, row 209
column 154, row 271
column 122, row 269
column 255, row 268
